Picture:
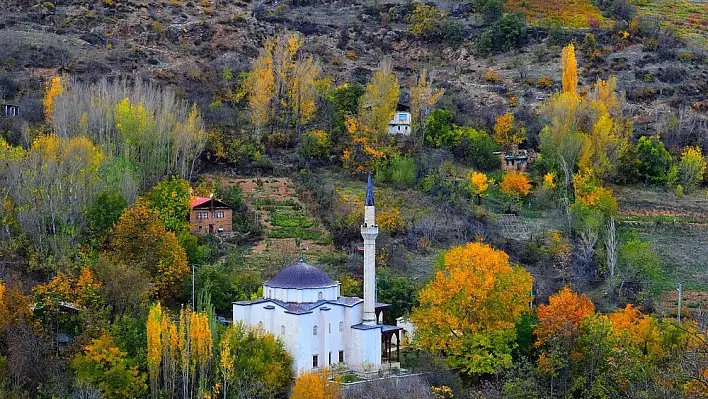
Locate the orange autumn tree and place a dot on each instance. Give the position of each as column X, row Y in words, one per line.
column 367, row 147
column 563, row 315
column 140, row 240
column 557, row 332
column 315, row 385
column 469, row 309
column 516, row 186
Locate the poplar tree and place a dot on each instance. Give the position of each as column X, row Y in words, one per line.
column 378, row 104
column 423, row 98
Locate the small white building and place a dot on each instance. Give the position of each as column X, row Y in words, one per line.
column 400, row 124
column 303, row 307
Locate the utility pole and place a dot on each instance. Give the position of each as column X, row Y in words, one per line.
column 679, row 303
column 193, row 287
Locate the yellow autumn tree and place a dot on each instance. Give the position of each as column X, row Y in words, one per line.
column 315, row 385
column 140, row 239
column 469, row 309
column 54, row 89
column 506, row 134
column 366, row 148
column 423, row 98
column 154, row 346
column 3, row 310
column 302, row 90
column 607, row 140
column 570, row 69
column 282, row 86
column 378, row 103
column 479, row 183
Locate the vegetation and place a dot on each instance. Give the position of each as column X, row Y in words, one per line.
column 551, row 278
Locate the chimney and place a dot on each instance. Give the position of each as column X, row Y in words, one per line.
column 369, row 231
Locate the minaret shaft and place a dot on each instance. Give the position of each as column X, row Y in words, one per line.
column 369, row 231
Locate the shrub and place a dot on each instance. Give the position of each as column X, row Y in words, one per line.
column 476, row 148
column 401, row 171
column 315, row 145
column 654, row 160
column 691, row 167
column 544, row 82
column 438, row 128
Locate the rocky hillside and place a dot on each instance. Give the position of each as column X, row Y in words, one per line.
column 201, row 46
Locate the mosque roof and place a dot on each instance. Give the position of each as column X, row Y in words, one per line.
column 301, row 275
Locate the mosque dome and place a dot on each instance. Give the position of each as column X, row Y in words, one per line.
column 300, row 275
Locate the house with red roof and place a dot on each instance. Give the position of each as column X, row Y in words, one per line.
column 209, row 215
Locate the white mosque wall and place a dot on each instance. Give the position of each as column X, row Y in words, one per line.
column 297, row 333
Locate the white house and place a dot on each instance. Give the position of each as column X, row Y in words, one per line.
column 400, row 124
column 303, row 307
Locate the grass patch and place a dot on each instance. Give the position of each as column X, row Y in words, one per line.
column 570, row 13
column 690, row 19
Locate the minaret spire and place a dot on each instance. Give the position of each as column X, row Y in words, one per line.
column 369, row 231
column 369, row 192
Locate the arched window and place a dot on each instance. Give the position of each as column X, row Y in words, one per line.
column 282, row 329
column 320, row 296
column 329, row 326
column 341, row 326
column 314, row 330
column 260, row 325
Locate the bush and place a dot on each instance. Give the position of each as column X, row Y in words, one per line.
column 315, row 145
column 438, row 129
column 509, row 32
column 428, row 23
column 477, row 148
column 654, row 161
column 401, row 171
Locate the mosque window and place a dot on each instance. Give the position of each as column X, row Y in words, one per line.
column 341, row 356
column 320, row 296
column 260, row 325
column 330, row 358
column 282, row 329
column 314, row 330
column 314, row 361
column 341, row 326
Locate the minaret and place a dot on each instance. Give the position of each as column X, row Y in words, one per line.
column 369, row 231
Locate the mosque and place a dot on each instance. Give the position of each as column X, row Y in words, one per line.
column 320, row 328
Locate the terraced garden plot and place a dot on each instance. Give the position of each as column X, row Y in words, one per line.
column 676, row 228
column 290, row 230
column 690, row 18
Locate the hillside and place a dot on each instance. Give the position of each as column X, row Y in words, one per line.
column 353, row 199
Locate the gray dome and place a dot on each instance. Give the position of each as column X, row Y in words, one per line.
column 300, row 275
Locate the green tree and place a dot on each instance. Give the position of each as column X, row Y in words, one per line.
column 170, row 198
column 638, row 263
column 476, row 148
column 103, row 364
column 262, row 365
column 104, row 213
column 438, row 129
column 400, row 292
column 654, row 160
